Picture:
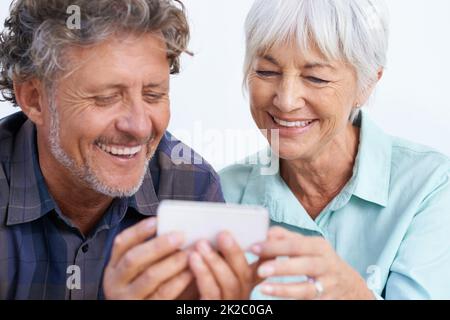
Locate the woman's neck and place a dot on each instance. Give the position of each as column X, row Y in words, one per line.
column 316, row 181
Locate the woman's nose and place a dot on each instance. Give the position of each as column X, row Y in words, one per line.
column 290, row 95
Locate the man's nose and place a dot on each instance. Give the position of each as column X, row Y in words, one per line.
column 290, row 95
column 136, row 121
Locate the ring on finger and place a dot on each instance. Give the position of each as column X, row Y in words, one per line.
column 318, row 286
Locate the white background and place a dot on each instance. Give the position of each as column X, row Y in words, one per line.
column 412, row 101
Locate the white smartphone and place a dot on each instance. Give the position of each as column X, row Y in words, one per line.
column 205, row 220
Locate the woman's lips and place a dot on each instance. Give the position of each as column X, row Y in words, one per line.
column 292, row 124
column 292, row 128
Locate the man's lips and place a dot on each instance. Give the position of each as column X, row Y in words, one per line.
column 120, row 151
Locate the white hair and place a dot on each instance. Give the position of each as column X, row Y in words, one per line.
column 354, row 31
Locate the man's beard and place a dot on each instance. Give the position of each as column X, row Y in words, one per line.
column 84, row 172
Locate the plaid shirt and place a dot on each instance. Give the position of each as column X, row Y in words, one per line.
column 42, row 254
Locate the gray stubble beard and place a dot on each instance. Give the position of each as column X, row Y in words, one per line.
column 85, row 173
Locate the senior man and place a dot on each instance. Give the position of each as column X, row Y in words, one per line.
column 89, row 156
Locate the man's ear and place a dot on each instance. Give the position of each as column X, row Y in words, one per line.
column 29, row 96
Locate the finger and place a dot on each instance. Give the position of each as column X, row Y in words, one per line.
column 225, row 277
column 132, row 237
column 277, row 233
column 305, row 266
column 298, row 291
column 152, row 278
column 235, row 257
column 174, row 287
column 191, row 291
column 206, row 283
column 295, row 245
column 139, row 258
column 254, row 269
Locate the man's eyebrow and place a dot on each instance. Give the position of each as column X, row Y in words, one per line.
column 120, row 86
column 153, row 85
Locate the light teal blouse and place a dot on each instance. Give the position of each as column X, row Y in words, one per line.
column 391, row 222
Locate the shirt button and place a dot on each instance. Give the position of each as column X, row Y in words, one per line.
column 85, row 248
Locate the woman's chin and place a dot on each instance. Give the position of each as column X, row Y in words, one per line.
column 290, row 149
column 290, row 154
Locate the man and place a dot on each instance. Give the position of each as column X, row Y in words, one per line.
column 89, row 156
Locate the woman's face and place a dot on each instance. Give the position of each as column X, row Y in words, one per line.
column 307, row 98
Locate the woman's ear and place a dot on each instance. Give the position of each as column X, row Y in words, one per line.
column 380, row 74
column 29, row 98
column 367, row 92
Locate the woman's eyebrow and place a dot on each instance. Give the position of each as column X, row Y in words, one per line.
column 318, row 65
column 270, row 59
column 310, row 65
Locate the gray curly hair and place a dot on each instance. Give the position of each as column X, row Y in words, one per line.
column 36, row 34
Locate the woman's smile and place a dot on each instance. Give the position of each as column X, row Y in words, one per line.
column 289, row 126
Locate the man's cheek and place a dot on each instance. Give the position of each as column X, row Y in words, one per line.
column 162, row 118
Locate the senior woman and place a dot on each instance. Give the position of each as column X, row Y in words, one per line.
column 360, row 214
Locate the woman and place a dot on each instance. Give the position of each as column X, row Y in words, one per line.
column 361, row 214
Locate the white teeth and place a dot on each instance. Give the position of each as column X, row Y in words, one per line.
column 116, row 151
column 294, row 124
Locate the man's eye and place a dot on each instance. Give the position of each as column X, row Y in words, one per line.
column 317, row 80
column 153, row 97
column 267, row 74
column 106, row 100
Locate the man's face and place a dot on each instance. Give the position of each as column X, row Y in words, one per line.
column 110, row 113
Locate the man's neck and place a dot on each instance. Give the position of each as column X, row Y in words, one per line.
column 83, row 206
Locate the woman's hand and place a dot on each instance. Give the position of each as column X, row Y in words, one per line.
column 223, row 274
column 312, row 257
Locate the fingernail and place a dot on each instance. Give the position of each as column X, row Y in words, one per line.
column 256, row 249
column 267, row 289
column 204, row 248
column 176, row 239
column 266, row 271
column 151, row 223
column 227, row 241
column 195, row 258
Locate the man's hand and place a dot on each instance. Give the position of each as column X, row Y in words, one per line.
column 223, row 274
column 147, row 269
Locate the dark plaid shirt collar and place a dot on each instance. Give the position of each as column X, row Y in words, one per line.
column 29, row 197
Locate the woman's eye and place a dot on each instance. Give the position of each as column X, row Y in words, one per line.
column 267, row 74
column 317, row 80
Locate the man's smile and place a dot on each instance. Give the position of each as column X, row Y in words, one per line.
column 120, row 152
